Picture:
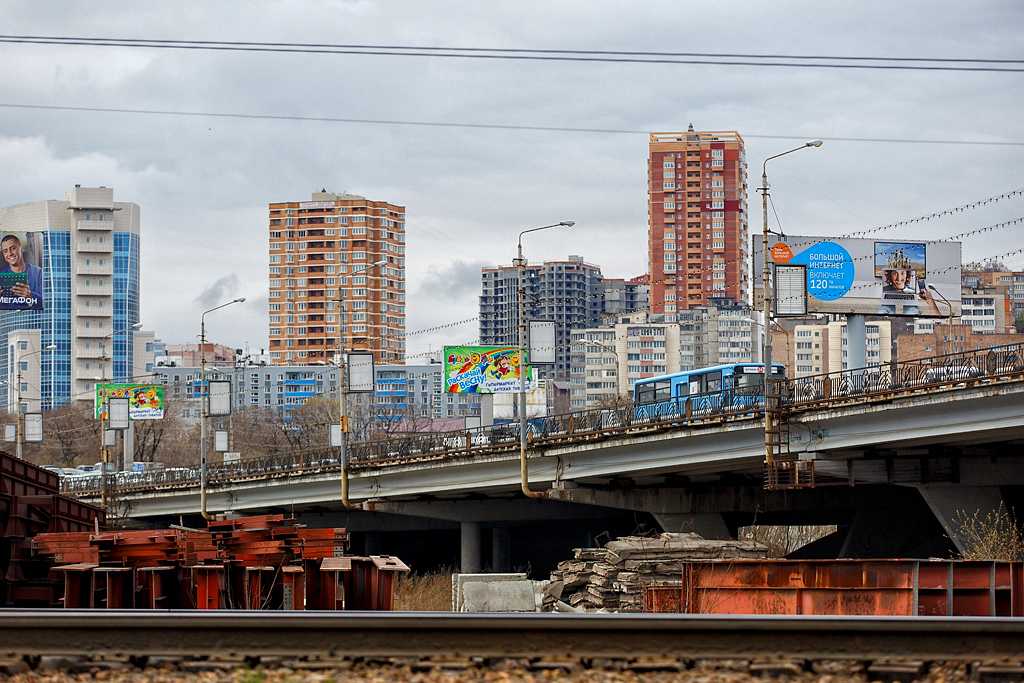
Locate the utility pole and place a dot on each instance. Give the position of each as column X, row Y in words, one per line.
column 770, row 394
column 343, row 392
column 520, row 265
column 204, row 408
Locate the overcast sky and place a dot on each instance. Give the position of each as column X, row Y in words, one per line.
column 203, row 184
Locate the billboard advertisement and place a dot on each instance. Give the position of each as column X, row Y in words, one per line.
column 871, row 276
column 145, row 401
column 21, row 271
column 482, row 369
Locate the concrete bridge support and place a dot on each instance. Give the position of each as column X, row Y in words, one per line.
column 954, row 505
column 708, row 524
column 501, row 549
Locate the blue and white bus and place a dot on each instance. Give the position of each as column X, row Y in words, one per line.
column 735, row 385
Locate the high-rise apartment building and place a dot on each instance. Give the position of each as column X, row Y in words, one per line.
column 697, row 237
column 568, row 292
column 607, row 361
column 323, row 284
column 718, row 333
column 90, row 275
column 622, row 297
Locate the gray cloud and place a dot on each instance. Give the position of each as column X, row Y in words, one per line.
column 219, row 291
column 452, row 283
column 204, row 184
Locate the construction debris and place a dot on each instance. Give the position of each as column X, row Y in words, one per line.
column 614, row 577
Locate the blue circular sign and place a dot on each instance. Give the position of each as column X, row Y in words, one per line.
column 830, row 270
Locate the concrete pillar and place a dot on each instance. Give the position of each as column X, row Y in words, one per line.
column 709, row 525
column 470, row 547
column 951, row 503
column 856, row 348
column 501, row 550
column 374, row 544
column 128, row 450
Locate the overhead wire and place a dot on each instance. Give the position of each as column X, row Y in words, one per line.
column 947, row 64
column 479, row 126
column 368, row 46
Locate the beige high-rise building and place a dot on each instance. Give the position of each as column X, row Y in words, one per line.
column 697, row 237
column 324, row 286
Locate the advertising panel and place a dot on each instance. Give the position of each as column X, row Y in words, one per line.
column 145, row 401
column 220, row 397
column 360, row 372
column 871, row 276
column 21, row 271
column 542, row 342
column 482, row 369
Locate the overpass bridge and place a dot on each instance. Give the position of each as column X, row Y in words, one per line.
column 912, row 443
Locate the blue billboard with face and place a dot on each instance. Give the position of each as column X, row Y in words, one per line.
column 21, row 271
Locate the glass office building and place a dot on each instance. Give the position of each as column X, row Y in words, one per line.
column 90, row 266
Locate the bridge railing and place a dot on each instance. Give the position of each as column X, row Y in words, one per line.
column 797, row 393
column 947, row 369
column 422, row 447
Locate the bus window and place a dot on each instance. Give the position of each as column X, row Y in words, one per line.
column 663, row 390
column 714, row 382
column 749, row 379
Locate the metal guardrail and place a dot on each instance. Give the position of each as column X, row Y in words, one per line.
column 799, row 394
column 882, row 380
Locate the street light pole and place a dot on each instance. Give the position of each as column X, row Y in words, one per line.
column 343, row 392
column 520, row 264
column 204, row 406
column 767, row 300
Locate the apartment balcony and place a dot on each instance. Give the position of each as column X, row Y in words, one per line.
column 91, row 371
column 95, row 307
column 104, row 225
column 95, row 351
column 90, row 332
column 97, row 287
column 101, row 244
column 94, row 267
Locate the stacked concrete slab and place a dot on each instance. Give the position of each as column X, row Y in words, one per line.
column 614, row 577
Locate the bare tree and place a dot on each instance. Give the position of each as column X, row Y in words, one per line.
column 992, row 535
column 71, row 436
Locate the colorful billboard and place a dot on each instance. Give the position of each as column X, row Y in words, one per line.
column 482, row 369
column 21, row 271
column 873, row 277
column 145, row 401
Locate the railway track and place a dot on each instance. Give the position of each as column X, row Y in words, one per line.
column 333, row 636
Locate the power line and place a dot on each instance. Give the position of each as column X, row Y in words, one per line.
column 532, row 55
column 480, row 126
column 515, row 50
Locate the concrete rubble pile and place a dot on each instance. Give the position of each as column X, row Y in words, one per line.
column 613, row 578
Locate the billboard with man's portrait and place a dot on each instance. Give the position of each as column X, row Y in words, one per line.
column 872, row 276
column 21, row 271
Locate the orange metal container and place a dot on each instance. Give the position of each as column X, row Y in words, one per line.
column 844, row 587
